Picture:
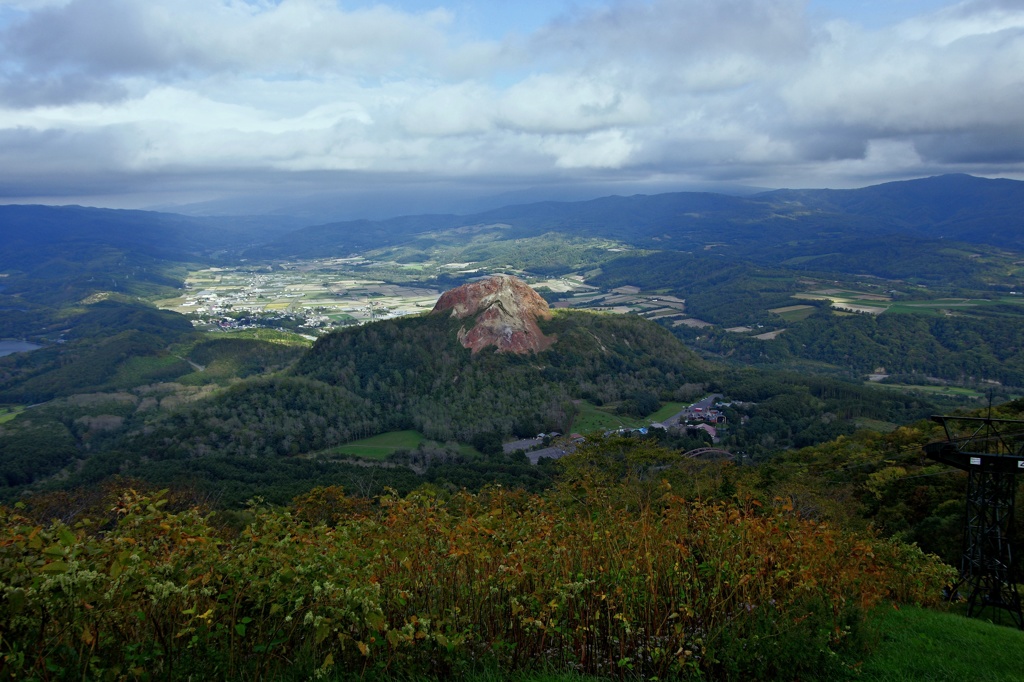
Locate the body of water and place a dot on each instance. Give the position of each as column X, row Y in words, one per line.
column 8, row 347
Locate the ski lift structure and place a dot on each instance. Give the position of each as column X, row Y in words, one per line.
column 991, row 451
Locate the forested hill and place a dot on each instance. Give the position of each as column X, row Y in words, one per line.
column 413, row 373
column 959, row 207
column 33, row 235
column 954, row 207
column 53, row 256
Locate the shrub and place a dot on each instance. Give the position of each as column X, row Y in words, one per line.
column 423, row 585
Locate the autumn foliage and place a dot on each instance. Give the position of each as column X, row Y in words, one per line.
column 425, row 585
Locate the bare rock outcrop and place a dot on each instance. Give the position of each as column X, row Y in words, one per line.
column 505, row 311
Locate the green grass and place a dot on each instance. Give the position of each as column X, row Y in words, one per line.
column 594, row 418
column 908, row 644
column 381, row 445
column 271, row 335
column 797, row 315
column 954, row 305
column 666, row 411
column 920, row 644
column 144, row 369
column 9, row 413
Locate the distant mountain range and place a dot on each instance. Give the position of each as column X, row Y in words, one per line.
column 54, row 255
column 956, row 207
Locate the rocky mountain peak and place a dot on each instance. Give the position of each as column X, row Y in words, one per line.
column 505, row 311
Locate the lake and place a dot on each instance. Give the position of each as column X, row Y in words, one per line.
column 8, row 347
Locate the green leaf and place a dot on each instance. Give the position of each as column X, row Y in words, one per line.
column 375, row 620
column 67, row 538
column 240, row 629
column 56, row 567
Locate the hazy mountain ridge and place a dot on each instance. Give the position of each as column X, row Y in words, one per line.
column 959, row 207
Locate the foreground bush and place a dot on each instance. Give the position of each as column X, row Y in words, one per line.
column 422, row 585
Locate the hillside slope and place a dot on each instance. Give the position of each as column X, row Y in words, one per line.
column 415, row 373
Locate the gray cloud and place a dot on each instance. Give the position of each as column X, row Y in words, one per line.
column 738, row 90
column 996, row 146
column 26, row 91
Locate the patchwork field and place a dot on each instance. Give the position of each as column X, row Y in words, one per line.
column 848, row 300
column 794, row 313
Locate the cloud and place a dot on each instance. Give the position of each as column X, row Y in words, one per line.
column 696, row 89
column 168, row 40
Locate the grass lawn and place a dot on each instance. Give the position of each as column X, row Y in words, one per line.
column 666, row 411
column 9, row 413
column 143, row 369
column 594, row 418
column 921, row 644
column 381, row 445
column 271, row 335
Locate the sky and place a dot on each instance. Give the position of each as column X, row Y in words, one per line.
column 246, row 105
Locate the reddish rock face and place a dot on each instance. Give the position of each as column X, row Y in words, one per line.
column 506, row 311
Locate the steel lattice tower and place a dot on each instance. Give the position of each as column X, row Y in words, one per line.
column 991, row 451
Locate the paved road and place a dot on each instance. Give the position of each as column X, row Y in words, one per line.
column 553, row 453
column 524, row 444
column 535, row 455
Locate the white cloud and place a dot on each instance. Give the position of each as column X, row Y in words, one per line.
column 738, row 89
column 606, row 149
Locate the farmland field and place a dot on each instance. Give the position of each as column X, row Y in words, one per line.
column 380, row 446
column 794, row 313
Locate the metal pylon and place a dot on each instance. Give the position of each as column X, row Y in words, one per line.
column 988, row 572
column 991, row 451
